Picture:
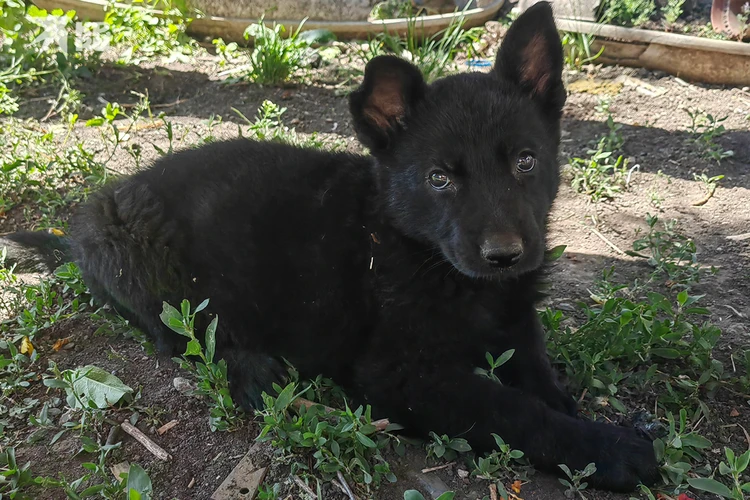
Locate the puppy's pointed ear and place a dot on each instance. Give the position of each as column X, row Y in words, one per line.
column 531, row 57
column 381, row 106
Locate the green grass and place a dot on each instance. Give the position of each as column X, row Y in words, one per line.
column 577, row 49
column 705, row 129
column 602, row 174
column 627, row 12
column 434, row 56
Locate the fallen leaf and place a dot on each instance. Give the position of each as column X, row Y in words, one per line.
column 59, row 343
column 684, row 496
column 595, row 86
column 57, row 232
column 516, row 486
column 26, row 346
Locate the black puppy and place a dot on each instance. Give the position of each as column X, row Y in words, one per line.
column 393, row 273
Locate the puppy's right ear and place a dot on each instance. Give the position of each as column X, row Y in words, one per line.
column 381, row 106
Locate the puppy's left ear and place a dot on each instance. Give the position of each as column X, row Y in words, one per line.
column 531, row 57
column 380, row 107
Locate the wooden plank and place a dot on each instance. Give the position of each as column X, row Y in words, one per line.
column 242, row 483
column 648, row 36
column 233, row 29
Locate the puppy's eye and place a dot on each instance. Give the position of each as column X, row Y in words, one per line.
column 526, row 162
column 439, row 180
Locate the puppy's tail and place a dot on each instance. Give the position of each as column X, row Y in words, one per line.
column 34, row 251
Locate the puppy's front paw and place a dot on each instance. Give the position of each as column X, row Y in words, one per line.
column 625, row 459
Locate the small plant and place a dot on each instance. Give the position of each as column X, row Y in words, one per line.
column 36, row 169
column 621, row 336
column 433, row 56
column 445, row 447
column 268, row 126
column 212, row 376
column 500, row 466
column 706, row 129
column 575, row 483
column 672, row 254
column 90, row 391
column 346, row 441
column 733, row 468
column 133, row 485
column 266, row 492
column 13, row 477
column 710, row 184
column 415, row 495
column 577, row 49
column 275, row 57
column 142, row 35
column 627, row 12
column 678, row 450
column 228, row 52
column 672, row 10
column 600, row 176
column 495, row 364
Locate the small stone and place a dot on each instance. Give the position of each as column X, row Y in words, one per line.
column 463, row 474
column 69, row 346
column 295, row 121
column 66, row 417
column 183, row 386
column 734, row 413
column 564, row 306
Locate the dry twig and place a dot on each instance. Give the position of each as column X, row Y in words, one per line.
column 154, row 448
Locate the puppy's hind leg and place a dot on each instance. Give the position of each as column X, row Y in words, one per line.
column 250, row 374
column 129, row 251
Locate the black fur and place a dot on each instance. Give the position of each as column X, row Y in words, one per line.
column 358, row 268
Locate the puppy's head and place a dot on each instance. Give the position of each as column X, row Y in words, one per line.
column 469, row 163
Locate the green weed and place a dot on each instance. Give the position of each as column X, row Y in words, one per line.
column 346, row 441
column 13, row 477
column 733, row 468
column 446, row 448
column 577, row 49
column 603, row 173
column 139, row 34
column 268, row 126
column 627, row 12
column 575, row 483
column 706, row 129
column 625, row 343
column 211, row 375
column 672, row 10
column 433, row 56
column 36, row 169
column 415, row 495
column 494, row 364
column 672, row 254
column 600, row 176
column 275, row 57
column 502, row 465
column 679, row 450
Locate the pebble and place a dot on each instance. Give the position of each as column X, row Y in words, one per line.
column 183, row 385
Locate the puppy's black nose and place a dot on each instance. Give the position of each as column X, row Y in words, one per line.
column 502, row 250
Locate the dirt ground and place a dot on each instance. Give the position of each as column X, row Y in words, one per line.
column 655, row 131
